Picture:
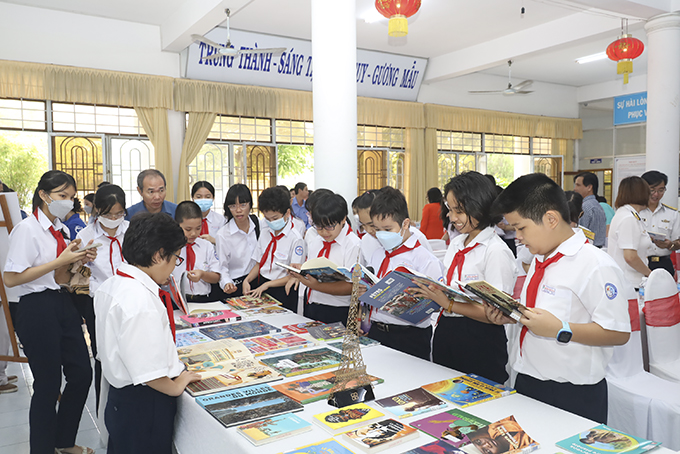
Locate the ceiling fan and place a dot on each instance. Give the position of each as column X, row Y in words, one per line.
column 228, row 50
column 512, row 89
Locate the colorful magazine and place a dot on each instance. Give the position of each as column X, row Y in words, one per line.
column 507, row 437
column 316, row 387
column 451, row 426
column 250, row 302
column 264, row 311
column 233, row 374
column 320, row 268
column 211, row 357
column 304, row 361
column 241, row 330
column 248, row 404
column 381, row 435
column 273, row 429
column 329, row 446
column 605, row 440
column 301, row 328
column 436, row 447
column 347, row 418
column 468, row 390
column 411, row 403
column 496, row 298
column 210, row 317
column 275, row 343
column 185, row 338
column 327, row 332
column 364, row 341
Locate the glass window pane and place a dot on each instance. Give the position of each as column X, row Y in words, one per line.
column 128, row 158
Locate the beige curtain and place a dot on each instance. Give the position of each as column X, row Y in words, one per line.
column 420, row 168
column 395, row 114
column 22, row 80
column 155, row 123
column 200, row 124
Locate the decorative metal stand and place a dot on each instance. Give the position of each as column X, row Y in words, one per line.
column 352, row 384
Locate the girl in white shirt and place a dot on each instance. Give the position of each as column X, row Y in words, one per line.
column 203, row 193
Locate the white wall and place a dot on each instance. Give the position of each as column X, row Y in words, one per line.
column 548, row 99
column 46, row 36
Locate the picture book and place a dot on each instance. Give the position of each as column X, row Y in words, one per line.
column 177, row 295
column 327, row 332
column 275, row 343
column 179, row 323
column 605, row 440
column 211, row 356
column 240, row 330
column 657, row 236
column 364, row 341
column 450, row 426
column 506, row 435
column 273, row 429
column 264, row 311
column 381, row 435
column 185, row 338
column 344, row 419
column 311, row 389
column 410, row 403
column 436, row 447
column 321, row 269
column 202, row 318
column 419, row 278
column 233, row 374
column 301, row 328
column 250, row 302
column 244, row 405
column 468, row 390
column 329, row 446
column 498, row 299
column 304, row 361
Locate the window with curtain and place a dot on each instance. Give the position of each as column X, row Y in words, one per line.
column 380, row 157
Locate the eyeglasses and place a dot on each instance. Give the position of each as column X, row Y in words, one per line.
column 327, row 228
column 113, row 217
column 179, row 260
column 658, row 190
column 240, row 206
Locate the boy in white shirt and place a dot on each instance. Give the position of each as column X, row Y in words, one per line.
column 199, row 260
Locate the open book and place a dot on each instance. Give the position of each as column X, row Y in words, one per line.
column 497, row 298
column 657, row 236
column 324, row 270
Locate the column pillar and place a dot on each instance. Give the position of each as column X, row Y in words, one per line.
column 663, row 99
column 334, row 90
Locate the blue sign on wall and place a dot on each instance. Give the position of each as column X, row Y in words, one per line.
column 630, row 109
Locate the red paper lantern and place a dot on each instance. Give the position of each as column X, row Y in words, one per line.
column 397, row 11
column 623, row 51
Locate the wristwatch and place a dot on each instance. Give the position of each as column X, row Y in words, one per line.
column 564, row 335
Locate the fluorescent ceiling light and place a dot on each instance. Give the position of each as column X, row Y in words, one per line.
column 591, row 58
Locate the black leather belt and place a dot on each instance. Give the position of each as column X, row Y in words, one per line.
column 658, row 258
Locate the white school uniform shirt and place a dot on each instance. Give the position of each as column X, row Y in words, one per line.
column 291, row 248
column 134, row 340
column 235, row 250
column 584, row 286
column 109, row 254
column 664, row 220
column 370, row 244
column 206, row 260
column 627, row 231
column 490, row 261
column 215, row 222
column 417, row 259
column 31, row 244
column 344, row 253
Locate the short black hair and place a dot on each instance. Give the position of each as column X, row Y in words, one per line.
column 390, row 202
column 149, row 173
column 202, row 184
column 239, row 192
column 654, row 177
column 475, row 194
column 365, row 200
column 299, row 187
column 531, row 196
column 491, row 178
column 329, row 210
column 51, row 180
column 314, row 196
column 103, row 183
column 151, row 233
column 575, row 204
column 434, row 195
column 274, row 199
column 77, row 206
column 187, row 210
column 89, row 197
column 601, row 199
column 107, row 196
column 589, row 179
column 284, row 188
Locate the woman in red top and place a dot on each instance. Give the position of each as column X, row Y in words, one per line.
column 431, row 224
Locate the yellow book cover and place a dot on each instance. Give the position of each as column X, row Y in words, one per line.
column 348, row 418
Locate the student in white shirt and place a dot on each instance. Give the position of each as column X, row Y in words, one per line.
column 279, row 242
column 400, row 247
column 236, row 240
column 309, row 203
column 478, row 253
column 576, row 300
column 48, row 324
column 108, row 229
column 203, row 193
column 135, row 337
column 200, row 268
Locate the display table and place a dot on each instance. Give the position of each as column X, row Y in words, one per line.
column 196, row 431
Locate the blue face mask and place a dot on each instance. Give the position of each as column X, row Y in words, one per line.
column 389, row 240
column 204, row 204
column 277, row 225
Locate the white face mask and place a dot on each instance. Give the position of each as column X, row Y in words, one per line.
column 87, row 209
column 110, row 223
column 59, row 208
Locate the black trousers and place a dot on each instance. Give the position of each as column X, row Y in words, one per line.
column 140, row 420
column 85, row 306
column 408, row 339
column 289, row 301
column 327, row 314
column 49, row 327
column 589, row 401
column 664, row 262
column 471, row 347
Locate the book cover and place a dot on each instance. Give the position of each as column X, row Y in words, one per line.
column 264, row 311
column 250, row 302
column 210, row 356
column 329, row 446
column 277, row 342
column 327, row 332
column 419, row 278
column 364, row 341
column 603, row 439
column 301, row 328
column 436, row 447
column 451, row 426
column 316, row 387
column 468, row 390
column 210, row 317
column 381, row 435
column 185, row 338
column 411, row 403
column 498, row 299
column 177, row 296
column 304, row 361
column 506, row 436
column 273, row 429
column 241, row 330
column 657, row 236
column 233, row 374
column 248, row 404
column 341, row 420
column 320, row 268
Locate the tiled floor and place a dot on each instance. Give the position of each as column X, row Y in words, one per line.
column 14, row 416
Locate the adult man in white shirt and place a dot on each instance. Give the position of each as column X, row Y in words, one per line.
column 663, row 219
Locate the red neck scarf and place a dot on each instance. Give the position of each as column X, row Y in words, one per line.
column 204, row 227
column 458, row 262
column 61, row 243
column 113, row 239
column 326, row 249
column 270, row 247
column 165, row 297
column 191, row 256
column 384, row 266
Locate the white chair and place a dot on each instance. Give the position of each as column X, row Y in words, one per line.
column 662, row 317
column 437, row 245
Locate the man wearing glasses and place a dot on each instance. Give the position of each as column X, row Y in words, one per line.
column 151, row 186
column 661, row 219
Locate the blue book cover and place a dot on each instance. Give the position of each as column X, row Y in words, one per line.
column 329, row 446
column 239, row 330
column 273, row 429
column 468, row 390
column 605, row 440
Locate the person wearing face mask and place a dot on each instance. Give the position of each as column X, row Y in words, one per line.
column 109, row 229
column 203, row 193
column 49, row 326
column 73, row 221
column 279, row 242
column 88, row 207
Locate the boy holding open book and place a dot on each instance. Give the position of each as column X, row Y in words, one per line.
column 576, row 300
